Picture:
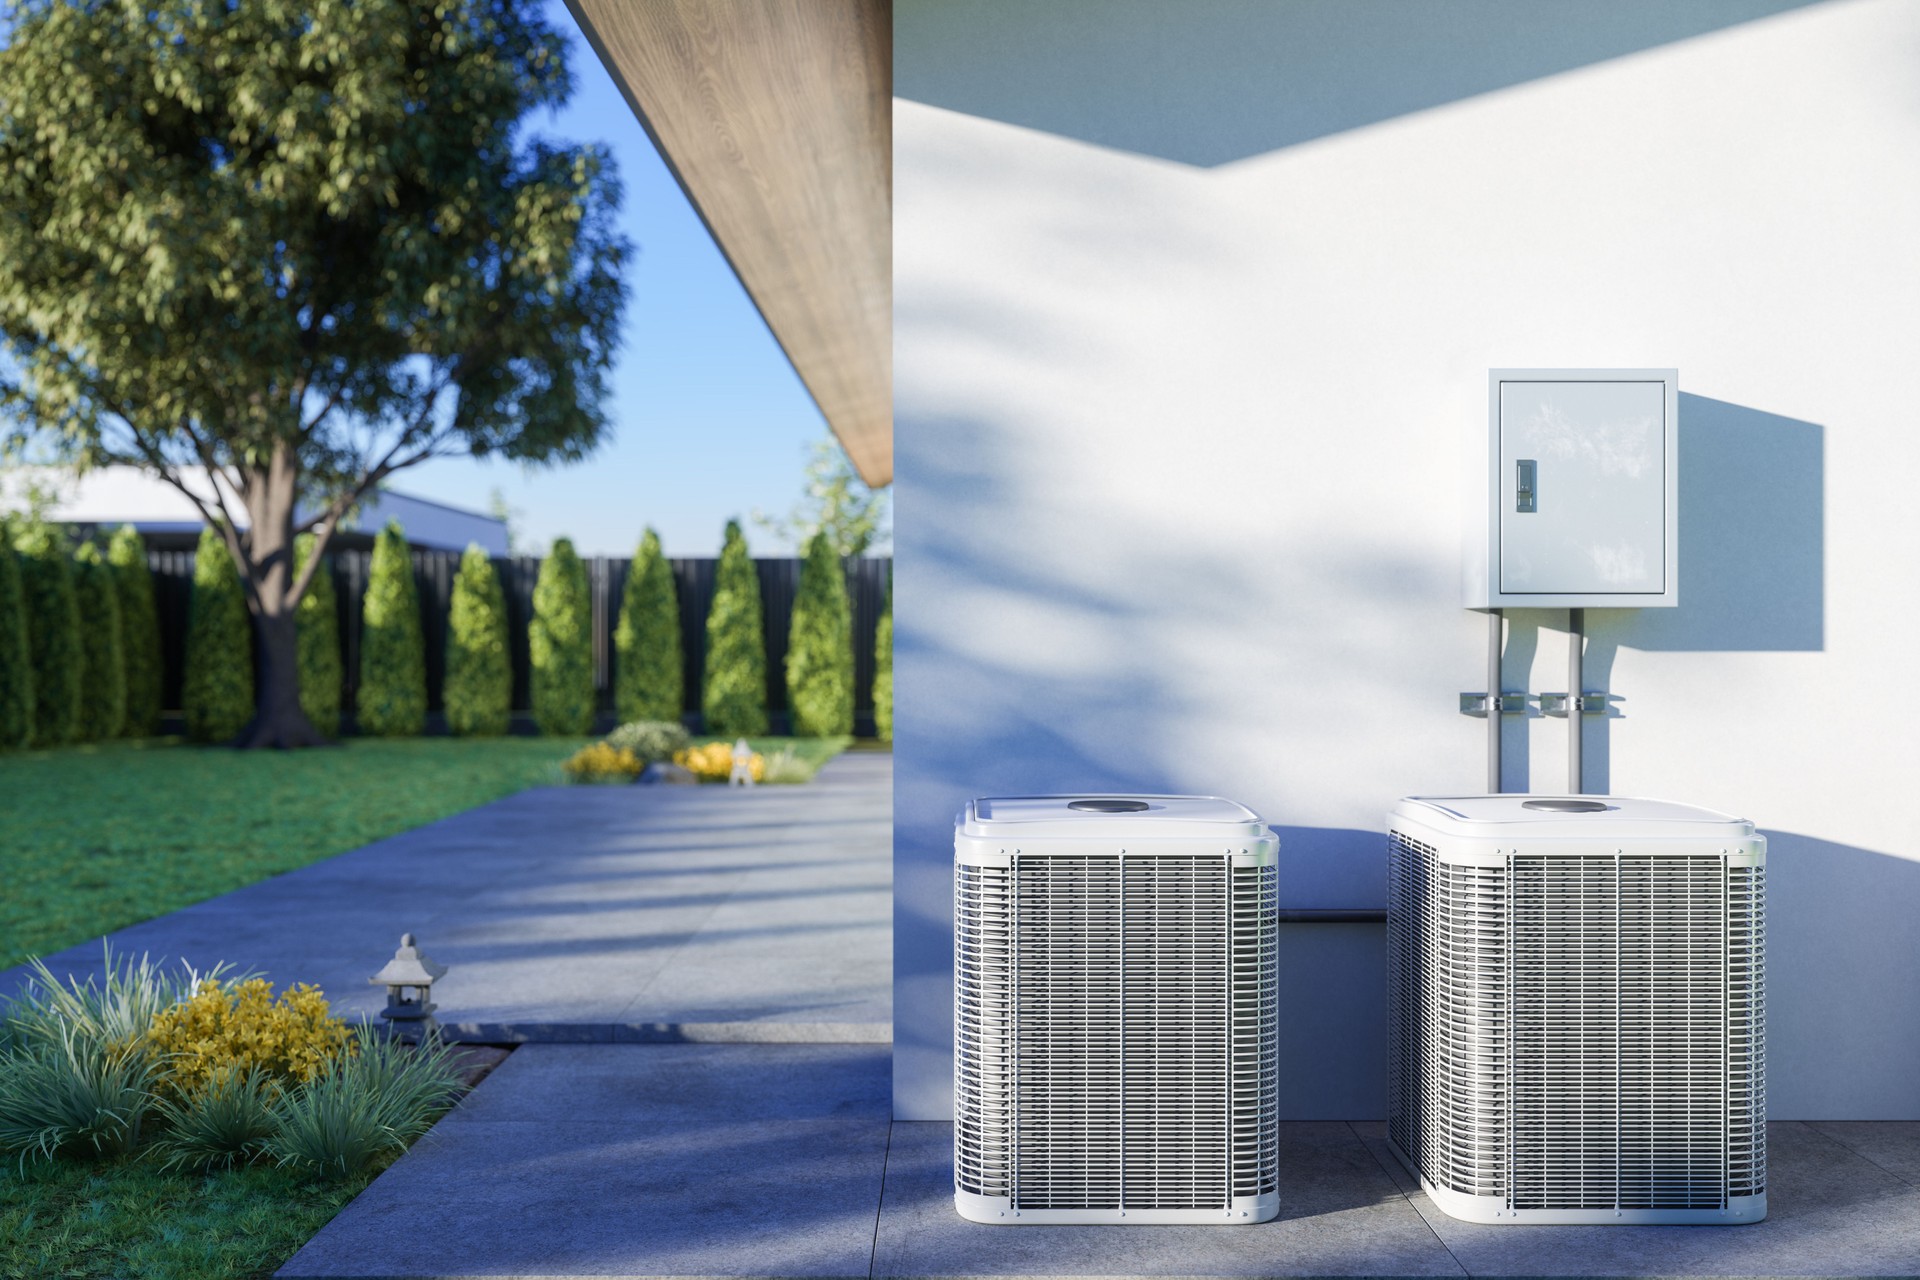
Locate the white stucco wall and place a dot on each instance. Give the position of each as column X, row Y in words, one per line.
column 1189, row 331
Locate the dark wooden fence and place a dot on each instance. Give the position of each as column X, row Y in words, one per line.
column 433, row 573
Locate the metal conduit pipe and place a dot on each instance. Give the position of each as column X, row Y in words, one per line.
column 1576, row 641
column 1494, row 638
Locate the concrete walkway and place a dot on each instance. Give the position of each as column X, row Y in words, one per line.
column 592, row 914
column 778, row 1160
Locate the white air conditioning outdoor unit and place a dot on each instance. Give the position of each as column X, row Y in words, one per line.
column 1578, row 1009
column 1115, row 1011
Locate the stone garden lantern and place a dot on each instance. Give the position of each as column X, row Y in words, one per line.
column 742, row 775
column 409, row 979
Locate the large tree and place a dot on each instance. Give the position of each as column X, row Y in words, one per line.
column 297, row 246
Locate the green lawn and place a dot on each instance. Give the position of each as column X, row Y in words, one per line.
column 122, row 1220
column 99, row 837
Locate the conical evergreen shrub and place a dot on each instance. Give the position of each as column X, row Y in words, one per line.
column 16, row 657
column 649, row 680
column 393, row 655
column 53, row 634
column 733, row 698
column 316, row 621
column 217, row 694
column 883, row 673
column 560, row 644
column 103, row 670
column 139, row 631
column 820, row 646
column 479, row 683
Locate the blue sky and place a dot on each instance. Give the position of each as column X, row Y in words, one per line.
column 709, row 419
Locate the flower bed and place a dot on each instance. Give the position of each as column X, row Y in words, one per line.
column 119, row 1098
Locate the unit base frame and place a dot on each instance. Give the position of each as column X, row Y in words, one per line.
column 1000, row 1211
column 1493, row 1210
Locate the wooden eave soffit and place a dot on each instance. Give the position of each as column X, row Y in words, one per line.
column 776, row 117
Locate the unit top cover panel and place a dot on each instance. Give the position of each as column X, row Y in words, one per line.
column 1102, row 815
column 1529, row 817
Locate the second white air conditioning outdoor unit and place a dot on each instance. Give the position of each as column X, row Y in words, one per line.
column 1115, row 1011
column 1578, row 1009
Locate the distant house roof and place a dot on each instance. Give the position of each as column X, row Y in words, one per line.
column 113, row 496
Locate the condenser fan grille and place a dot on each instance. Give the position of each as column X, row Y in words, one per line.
column 1579, row 1032
column 1115, row 1026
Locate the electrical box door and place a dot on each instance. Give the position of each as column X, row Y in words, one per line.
column 1581, row 495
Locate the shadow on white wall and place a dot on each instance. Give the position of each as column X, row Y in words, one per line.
column 1118, row 73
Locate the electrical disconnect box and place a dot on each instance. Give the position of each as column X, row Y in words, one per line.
column 1576, row 506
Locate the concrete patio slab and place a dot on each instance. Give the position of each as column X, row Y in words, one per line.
column 1831, row 1212
column 717, row 1160
column 592, row 914
column 1340, row 1216
column 601, row 1160
column 1894, row 1145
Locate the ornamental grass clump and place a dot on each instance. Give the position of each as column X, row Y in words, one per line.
column 73, row 1097
column 651, row 740
column 786, row 767
column 224, row 1123
column 76, row 1073
column 363, row 1107
column 227, row 1026
column 116, row 1010
column 603, row 762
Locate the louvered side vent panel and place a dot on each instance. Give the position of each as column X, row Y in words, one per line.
column 983, row 1022
column 1067, row 1020
column 1256, row 1031
column 1566, row 976
column 1672, row 1032
column 1621, row 1059
column 1448, row 1002
column 1746, row 1031
column 1176, row 1033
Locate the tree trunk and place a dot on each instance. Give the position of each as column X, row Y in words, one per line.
column 278, row 720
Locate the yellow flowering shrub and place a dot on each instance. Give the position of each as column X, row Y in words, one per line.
column 227, row 1026
column 713, row 762
column 603, row 763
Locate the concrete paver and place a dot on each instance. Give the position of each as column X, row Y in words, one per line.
column 592, row 914
column 617, row 1160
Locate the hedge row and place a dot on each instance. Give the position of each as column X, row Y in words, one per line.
column 79, row 639
column 80, row 647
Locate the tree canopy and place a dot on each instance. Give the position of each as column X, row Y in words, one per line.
column 298, row 245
